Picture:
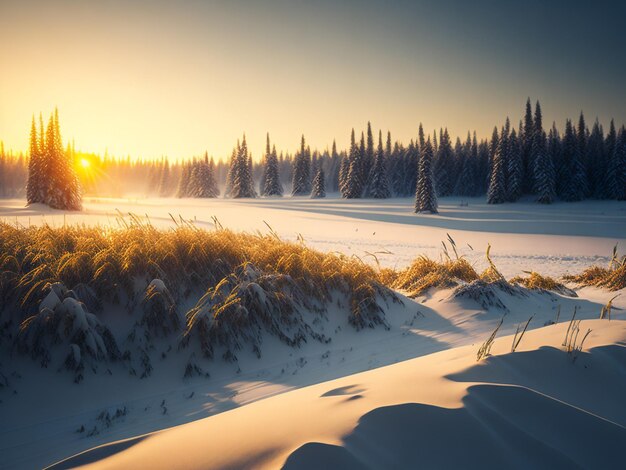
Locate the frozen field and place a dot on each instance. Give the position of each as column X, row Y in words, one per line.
column 425, row 355
column 552, row 240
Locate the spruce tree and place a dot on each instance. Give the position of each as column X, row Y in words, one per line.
column 515, row 175
column 573, row 183
column 496, row 193
column 425, row 194
column 616, row 169
column 378, row 187
column 34, row 193
column 164, row 183
column 243, row 186
column 610, row 178
column 354, row 180
column 443, row 166
column 184, row 182
column 263, row 182
column 368, row 157
column 63, row 189
column 596, row 165
column 301, row 182
column 319, row 187
column 273, row 186
column 467, row 182
column 232, row 167
column 544, row 176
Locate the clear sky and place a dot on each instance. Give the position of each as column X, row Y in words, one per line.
column 152, row 78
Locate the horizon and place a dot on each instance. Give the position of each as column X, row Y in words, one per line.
column 154, row 80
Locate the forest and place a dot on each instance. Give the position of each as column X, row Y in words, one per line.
column 570, row 164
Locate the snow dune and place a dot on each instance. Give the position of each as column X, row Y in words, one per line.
column 535, row 408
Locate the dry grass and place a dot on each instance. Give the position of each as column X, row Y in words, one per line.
column 536, row 281
column 111, row 263
column 612, row 278
column 425, row 273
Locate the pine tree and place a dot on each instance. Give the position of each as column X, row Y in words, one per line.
column 164, row 183
column 301, row 183
column 610, row 178
column 34, row 193
column 266, row 157
column 273, row 186
column 243, row 186
column 63, row 189
column 354, row 182
column 230, row 176
column 184, row 182
column 582, row 137
column 526, row 140
column 573, row 184
column 443, row 166
column 616, row 169
column 319, row 188
column 497, row 190
column 543, row 170
column 425, row 194
column 596, row 165
column 378, row 187
column 467, row 182
column 344, row 168
column 368, row 156
column 515, row 176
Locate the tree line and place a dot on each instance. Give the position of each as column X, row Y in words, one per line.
column 576, row 163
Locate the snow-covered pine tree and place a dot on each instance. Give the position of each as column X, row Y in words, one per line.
column 205, row 184
column 185, row 179
column 378, row 187
column 572, row 184
column 34, row 192
column 164, row 183
column 63, row 191
column 319, row 186
column 443, row 166
column 264, row 163
column 425, row 194
column 368, row 156
column 526, row 140
column 344, row 168
column 230, row 175
column 616, row 169
column 582, row 137
column 544, row 176
column 610, row 175
column 467, row 183
column 354, row 181
column 242, row 178
column 496, row 193
column 301, row 176
column 515, row 176
column 596, row 165
column 273, row 186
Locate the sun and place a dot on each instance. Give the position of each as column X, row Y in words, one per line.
column 85, row 163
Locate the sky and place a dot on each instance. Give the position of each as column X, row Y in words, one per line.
column 156, row 78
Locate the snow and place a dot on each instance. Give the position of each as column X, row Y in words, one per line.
column 421, row 371
column 536, row 408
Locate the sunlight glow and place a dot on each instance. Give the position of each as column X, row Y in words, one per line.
column 85, row 163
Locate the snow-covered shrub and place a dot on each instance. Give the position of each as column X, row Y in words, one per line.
column 63, row 323
column 243, row 305
column 160, row 316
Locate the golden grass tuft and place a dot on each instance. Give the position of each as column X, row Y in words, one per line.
column 425, row 273
column 536, row 281
column 111, row 262
column 612, row 278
